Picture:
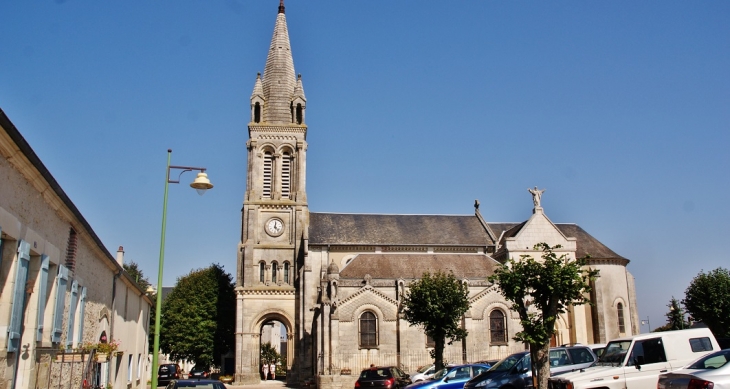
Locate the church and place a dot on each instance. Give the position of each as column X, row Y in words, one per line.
column 336, row 281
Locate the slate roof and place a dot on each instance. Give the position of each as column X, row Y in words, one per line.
column 585, row 242
column 412, row 266
column 368, row 229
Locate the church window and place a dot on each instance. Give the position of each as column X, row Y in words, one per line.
column 262, row 271
column 274, row 269
column 497, row 327
column 368, row 330
column 286, row 272
column 286, row 176
column 300, row 114
column 268, row 165
column 620, row 312
column 257, row 113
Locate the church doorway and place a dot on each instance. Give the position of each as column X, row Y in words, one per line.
column 274, row 350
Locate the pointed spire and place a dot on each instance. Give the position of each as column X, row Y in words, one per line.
column 281, row 6
column 258, row 89
column 279, row 80
column 299, row 89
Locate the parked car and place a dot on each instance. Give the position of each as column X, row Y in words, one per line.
column 635, row 362
column 197, row 384
column 514, row 372
column 199, row 372
column 598, row 349
column 167, row 372
column 710, row 371
column 423, row 373
column 389, row 377
column 451, row 377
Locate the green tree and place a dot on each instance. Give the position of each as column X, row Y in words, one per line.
column 707, row 299
column 269, row 354
column 136, row 273
column 539, row 291
column 675, row 316
column 198, row 317
column 437, row 303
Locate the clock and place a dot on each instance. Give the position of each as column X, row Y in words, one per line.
column 274, row 227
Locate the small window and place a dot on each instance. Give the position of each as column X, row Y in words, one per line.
column 274, row 268
column 286, row 272
column 700, row 344
column 262, row 271
column 368, row 330
column 300, row 114
column 497, row 327
column 257, row 113
column 620, row 314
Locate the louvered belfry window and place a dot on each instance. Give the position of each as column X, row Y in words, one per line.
column 286, row 176
column 368, row 329
column 268, row 166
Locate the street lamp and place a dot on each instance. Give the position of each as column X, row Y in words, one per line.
column 201, row 184
column 646, row 322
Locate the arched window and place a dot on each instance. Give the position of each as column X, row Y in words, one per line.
column 257, row 113
column 285, row 176
column 268, row 165
column 274, row 270
column 620, row 314
column 497, row 327
column 286, row 272
column 368, row 330
column 262, row 271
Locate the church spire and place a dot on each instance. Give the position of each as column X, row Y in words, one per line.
column 279, row 79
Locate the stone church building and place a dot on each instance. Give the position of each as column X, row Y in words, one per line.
column 336, row 281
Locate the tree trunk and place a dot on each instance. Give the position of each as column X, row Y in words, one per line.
column 438, row 351
column 540, row 355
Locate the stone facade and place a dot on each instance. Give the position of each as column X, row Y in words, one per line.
column 336, row 281
column 74, row 291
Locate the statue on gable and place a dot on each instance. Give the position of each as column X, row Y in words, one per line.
column 536, row 195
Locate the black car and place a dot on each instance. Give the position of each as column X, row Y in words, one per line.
column 167, row 372
column 388, row 377
column 199, row 372
column 199, row 384
column 514, row 372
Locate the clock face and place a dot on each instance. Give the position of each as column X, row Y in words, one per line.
column 274, row 226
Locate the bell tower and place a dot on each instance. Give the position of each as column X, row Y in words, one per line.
column 275, row 213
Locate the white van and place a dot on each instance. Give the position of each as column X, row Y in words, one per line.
column 635, row 362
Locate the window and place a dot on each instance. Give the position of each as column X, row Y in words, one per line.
column 286, row 272
column 286, row 176
column 300, row 114
column 268, row 164
column 139, row 366
column 497, row 327
column 646, row 352
column 257, row 113
column 620, row 312
column 700, row 344
column 43, row 288
column 129, row 368
column 274, row 269
column 18, row 308
column 368, row 330
column 559, row 357
column 262, row 271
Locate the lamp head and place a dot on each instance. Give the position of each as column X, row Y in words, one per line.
column 201, row 183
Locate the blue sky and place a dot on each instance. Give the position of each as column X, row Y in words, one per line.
column 621, row 110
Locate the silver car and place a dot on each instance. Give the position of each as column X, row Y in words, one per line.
column 709, row 372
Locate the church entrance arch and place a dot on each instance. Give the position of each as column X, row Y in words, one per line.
column 275, row 339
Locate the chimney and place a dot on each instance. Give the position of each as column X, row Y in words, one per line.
column 120, row 256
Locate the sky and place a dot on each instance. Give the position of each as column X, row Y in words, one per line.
column 620, row 110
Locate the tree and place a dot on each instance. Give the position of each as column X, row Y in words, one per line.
column 437, row 303
column 269, row 354
column 133, row 269
column 539, row 291
column 707, row 299
column 675, row 316
column 198, row 317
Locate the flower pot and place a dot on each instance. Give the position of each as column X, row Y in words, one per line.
column 102, row 357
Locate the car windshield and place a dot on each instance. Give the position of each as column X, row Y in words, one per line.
column 614, row 354
column 441, row 373
column 712, row 361
column 423, row 369
column 508, row 362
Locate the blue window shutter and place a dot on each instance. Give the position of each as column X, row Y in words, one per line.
column 43, row 288
column 82, row 309
column 16, row 314
column 72, row 314
column 61, row 285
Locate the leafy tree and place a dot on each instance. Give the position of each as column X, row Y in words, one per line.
column 269, row 354
column 133, row 269
column 675, row 316
column 707, row 299
column 539, row 292
column 437, row 303
column 198, row 317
